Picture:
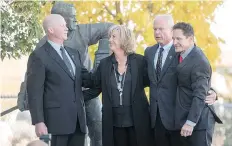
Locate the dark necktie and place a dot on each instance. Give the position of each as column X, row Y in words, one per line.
column 180, row 59
column 159, row 63
column 66, row 60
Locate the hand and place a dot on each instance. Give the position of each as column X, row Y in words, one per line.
column 41, row 129
column 186, row 130
column 211, row 97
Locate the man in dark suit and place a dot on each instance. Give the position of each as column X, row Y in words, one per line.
column 162, row 62
column 80, row 37
column 194, row 74
column 54, row 87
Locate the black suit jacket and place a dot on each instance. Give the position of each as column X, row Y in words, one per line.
column 55, row 97
column 163, row 91
column 194, row 75
column 140, row 106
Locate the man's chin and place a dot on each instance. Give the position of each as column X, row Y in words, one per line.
column 159, row 41
column 178, row 50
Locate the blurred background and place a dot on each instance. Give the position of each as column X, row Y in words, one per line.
column 21, row 29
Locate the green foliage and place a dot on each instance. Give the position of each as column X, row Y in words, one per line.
column 20, row 29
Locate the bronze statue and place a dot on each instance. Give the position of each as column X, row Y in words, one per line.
column 80, row 37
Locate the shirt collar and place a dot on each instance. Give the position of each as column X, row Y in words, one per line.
column 185, row 53
column 167, row 47
column 55, row 45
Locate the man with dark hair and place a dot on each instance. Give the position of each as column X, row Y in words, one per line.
column 194, row 75
column 162, row 63
column 80, row 37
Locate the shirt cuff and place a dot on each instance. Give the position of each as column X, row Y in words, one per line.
column 190, row 123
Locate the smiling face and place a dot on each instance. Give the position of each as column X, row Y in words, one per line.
column 60, row 30
column 55, row 27
column 180, row 41
column 114, row 40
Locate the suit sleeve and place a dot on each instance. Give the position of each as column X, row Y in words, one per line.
column 146, row 81
column 91, row 93
column 35, row 88
column 200, row 77
column 94, row 83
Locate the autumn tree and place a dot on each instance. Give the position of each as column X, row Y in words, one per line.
column 139, row 17
column 136, row 15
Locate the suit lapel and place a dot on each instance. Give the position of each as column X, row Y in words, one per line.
column 152, row 56
column 55, row 56
column 186, row 59
column 134, row 73
column 73, row 55
column 109, row 66
column 168, row 61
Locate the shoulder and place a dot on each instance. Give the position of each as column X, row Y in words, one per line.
column 40, row 50
column 201, row 61
column 201, row 56
column 138, row 57
column 149, row 48
column 104, row 61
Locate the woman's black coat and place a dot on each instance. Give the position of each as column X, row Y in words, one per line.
column 140, row 106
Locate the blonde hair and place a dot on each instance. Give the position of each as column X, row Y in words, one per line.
column 127, row 38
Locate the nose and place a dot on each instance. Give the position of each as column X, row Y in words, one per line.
column 65, row 28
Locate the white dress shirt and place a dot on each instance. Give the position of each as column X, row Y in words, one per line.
column 165, row 53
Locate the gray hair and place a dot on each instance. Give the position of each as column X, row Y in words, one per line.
column 167, row 17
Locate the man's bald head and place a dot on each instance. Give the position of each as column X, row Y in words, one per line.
column 51, row 21
column 55, row 27
column 37, row 143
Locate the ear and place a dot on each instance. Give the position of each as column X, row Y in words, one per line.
column 191, row 38
column 50, row 30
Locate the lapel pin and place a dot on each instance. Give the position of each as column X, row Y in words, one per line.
column 170, row 57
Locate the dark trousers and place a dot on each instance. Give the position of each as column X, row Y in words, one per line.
column 198, row 138
column 124, row 136
column 164, row 137
column 75, row 139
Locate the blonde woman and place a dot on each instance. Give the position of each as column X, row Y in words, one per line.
column 121, row 78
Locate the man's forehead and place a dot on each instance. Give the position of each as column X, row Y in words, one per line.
column 161, row 22
column 178, row 33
